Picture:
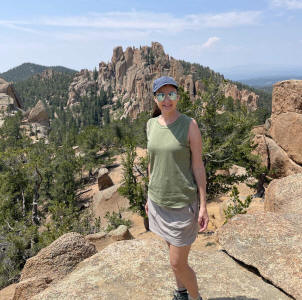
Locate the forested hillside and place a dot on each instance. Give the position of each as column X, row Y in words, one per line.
column 27, row 70
column 53, row 90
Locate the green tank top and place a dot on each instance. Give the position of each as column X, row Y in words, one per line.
column 171, row 181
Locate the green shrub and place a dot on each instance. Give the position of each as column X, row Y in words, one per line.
column 238, row 206
column 115, row 220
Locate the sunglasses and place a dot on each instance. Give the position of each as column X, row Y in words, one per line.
column 161, row 96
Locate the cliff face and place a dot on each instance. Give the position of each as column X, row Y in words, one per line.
column 131, row 73
column 250, row 99
column 280, row 139
column 10, row 102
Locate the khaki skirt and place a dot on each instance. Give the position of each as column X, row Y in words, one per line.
column 178, row 226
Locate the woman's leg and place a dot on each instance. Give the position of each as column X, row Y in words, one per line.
column 179, row 284
column 185, row 276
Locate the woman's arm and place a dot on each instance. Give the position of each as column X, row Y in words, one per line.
column 146, row 205
column 199, row 172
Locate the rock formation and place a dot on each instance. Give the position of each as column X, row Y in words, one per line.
column 287, row 97
column 104, row 180
column 52, row 263
column 130, row 75
column 132, row 270
column 48, row 74
column 270, row 242
column 280, row 140
column 250, row 99
column 103, row 239
column 36, row 122
column 81, row 86
column 39, row 114
column 284, row 195
column 10, row 102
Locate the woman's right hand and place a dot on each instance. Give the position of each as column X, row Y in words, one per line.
column 146, row 208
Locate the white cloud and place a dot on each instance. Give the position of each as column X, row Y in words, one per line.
column 229, row 19
column 92, row 35
column 17, row 25
column 152, row 21
column 210, row 42
column 139, row 20
column 288, row 4
column 196, row 48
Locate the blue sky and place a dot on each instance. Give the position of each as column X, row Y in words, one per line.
column 220, row 34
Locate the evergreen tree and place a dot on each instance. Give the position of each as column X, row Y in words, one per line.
column 226, row 136
column 135, row 184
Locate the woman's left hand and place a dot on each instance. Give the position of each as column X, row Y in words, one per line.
column 203, row 219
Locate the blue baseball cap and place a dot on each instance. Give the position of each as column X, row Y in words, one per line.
column 161, row 81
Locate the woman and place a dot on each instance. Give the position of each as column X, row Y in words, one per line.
column 177, row 180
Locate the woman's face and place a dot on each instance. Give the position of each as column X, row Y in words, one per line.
column 167, row 105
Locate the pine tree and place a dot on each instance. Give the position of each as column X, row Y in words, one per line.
column 226, row 136
column 135, row 181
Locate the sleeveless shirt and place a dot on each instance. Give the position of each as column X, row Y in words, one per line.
column 171, row 181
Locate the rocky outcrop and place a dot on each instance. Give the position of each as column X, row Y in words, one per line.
column 39, row 114
column 130, row 75
column 108, row 200
column 82, row 85
column 10, row 102
column 8, row 89
column 284, row 195
column 131, row 270
column 36, row 122
column 286, row 131
column 250, row 99
column 287, row 97
column 52, row 263
column 270, row 242
column 48, row 74
column 280, row 138
column 261, row 149
column 103, row 239
column 104, row 180
column 275, row 158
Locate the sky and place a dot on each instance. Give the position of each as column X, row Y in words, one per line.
column 224, row 35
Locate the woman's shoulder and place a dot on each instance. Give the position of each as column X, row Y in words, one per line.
column 151, row 120
column 150, row 123
column 186, row 118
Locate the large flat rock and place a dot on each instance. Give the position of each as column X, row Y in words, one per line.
column 140, row 270
column 270, row 242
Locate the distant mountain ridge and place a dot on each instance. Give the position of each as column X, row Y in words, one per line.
column 27, row 70
column 267, row 81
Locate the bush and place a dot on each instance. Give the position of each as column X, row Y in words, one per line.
column 238, row 206
column 135, row 183
column 115, row 220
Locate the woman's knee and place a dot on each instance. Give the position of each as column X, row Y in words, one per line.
column 179, row 257
column 178, row 265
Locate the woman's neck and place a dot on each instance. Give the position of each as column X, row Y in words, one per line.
column 170, row 117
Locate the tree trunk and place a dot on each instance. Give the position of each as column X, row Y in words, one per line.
column 23, row 203
column 35, row 217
